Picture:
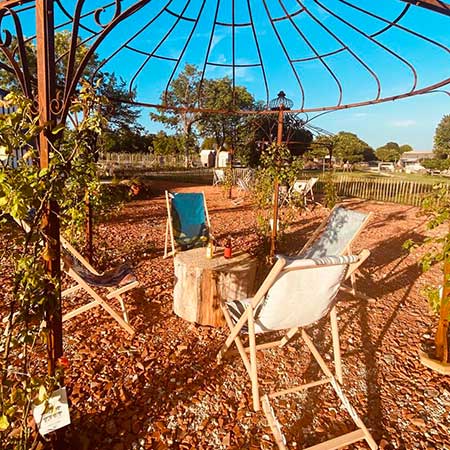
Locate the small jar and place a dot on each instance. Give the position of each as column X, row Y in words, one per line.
column 227, row 250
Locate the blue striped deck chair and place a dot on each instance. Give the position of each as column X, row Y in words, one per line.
column 187, row 223
column 334, row 237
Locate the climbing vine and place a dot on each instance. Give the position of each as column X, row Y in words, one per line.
column 276, row 163
column 25, row 191
column 437, row 208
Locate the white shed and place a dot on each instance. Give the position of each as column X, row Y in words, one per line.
column 207, row 158
column 224, row 159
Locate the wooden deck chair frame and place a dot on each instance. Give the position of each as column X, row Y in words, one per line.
column 97, row 299
column 250, row 361
column 347, row 251
column 169, row 226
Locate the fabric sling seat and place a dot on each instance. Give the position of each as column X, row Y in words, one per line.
column 187, row 223
column 116, row 281
column 296, row 293
column 335, row 236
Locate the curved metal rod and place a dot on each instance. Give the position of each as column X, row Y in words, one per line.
column 208, row 50
column 155, row 49
column 125, row 44
column 258, row 50
column 309, row 44
column 376, row 33
column 338, row 39
column 389, row 25
column 178, row 61
column 426, row 90
column 396, row 25
column 288, row 15
column 22, row 74
column 286, row 53
column 179, row 16
column 72, row 83
column 387, row 49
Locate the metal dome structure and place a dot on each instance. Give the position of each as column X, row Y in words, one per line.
column 328, row 54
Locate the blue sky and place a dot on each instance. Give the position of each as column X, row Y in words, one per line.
column 354, row 65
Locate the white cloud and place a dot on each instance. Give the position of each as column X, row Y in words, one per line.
column 403, row 123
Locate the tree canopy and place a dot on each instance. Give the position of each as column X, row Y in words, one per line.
column 442, row 138
column 183, row 94
column 390, row 151
column 119, row 117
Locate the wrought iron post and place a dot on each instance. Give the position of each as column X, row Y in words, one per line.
column 46, row 93
column 281, row 103
column 276, row 187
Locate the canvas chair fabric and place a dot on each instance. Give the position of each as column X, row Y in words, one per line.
column 114, row 277
column 291, row 292
column 342, row 226
column 305, row 188
column 187, row 222
column 117, row 281
column 296, row 293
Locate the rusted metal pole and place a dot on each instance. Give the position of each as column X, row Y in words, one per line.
column 88, row 227
column 275, row 187
column 46, row 74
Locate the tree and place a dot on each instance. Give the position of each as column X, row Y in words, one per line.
column 167, row 145
column 406, row 148
column 128, row 140
column 261, row 130
column 344, row 145
column 389, row 152
column 183, row 93
column 108, row 88
column 442, row 138
column 224, row 128
column 349, row 147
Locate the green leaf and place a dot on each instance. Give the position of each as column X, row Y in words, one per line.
column 42, row 393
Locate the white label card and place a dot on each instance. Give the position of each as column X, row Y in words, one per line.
column 52, row 414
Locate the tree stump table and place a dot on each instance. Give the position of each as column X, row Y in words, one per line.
column 202, row 284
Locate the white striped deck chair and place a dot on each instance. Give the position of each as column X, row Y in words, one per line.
column 296, row 293
column 335, row 236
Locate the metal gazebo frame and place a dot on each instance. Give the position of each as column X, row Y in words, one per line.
column 53, row 104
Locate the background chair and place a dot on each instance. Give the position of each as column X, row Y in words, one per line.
column 335, row 236
column 187, row 223
column 305, row 189
column 116, row 282
column 296, row 293
column 219, row 177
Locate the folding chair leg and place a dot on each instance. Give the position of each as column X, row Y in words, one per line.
column 123, row 308
column 253, row 362
column 166, row 255
column 288, row 336
column 336, row 345
column 237, row 340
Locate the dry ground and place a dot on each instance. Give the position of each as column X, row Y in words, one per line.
column 164, row 389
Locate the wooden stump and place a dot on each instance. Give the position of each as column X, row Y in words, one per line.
column 202, row 284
